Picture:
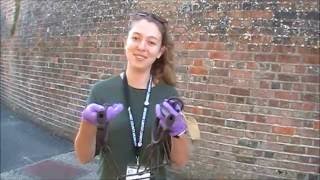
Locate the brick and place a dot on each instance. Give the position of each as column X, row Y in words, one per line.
column 294, row 149
column 253, row 47
column 312, row 88
column 275, row 85
column 313, row 151
column 314, row 160
column 237, row 83
column 288, row 68
column 218, row 89
column 250, row 117
column 295, row 140
column 283, row 49
column 265, row 58
column 264, row 76
column 264, row 85
column 198, row 62
column 251, row 65
column 311, row 79
column 240, row 91
column 308, row 50
column 310, row 98
column 219, row 55
column 275, row 68
column 204, row 96
column 220, row 63
column 283, row 130
column 312, row 133
column 240, row 74
column 303, row 106
column 240, row 100
column 266, row 48
column 284, row 104
column 300, row 69
column 261, row 119
column 261, row 93
column 272, row 146
column 259, row 14
column 215, row 120
column 217, row 105
column 194, row 45
column 219, row 72
column 248, row 143
column 235, row 124
column 286, row 95
column 286, row 77
column 197, row 87
column 259, row 127
column 316, row 124
column 216, row 46
column 273, row 120
column 274, row 103
column 316, row 143
column 297, row 87
column 196, row 70
column 311, row 59
column 268, row 154
column 247, row 160
column 288, row 59
column 241, row 56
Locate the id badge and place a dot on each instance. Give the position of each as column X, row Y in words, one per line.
column 132, row 173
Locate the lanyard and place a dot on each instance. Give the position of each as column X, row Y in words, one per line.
column 136, row 144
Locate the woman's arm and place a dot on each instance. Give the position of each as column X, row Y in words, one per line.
column 85, row 142
column 179, row 151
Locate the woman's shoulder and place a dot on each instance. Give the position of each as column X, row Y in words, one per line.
column 111, row 82
column 162, row 87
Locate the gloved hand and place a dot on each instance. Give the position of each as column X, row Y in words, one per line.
column 90, row 113
column 169, row 114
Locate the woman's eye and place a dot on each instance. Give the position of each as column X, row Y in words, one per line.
column 135, row 38
column 152, row 43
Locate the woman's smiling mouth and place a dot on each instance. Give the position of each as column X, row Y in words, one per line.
column 140, row 57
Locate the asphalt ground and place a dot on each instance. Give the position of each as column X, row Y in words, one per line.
column 23, row 142
column 31, row 152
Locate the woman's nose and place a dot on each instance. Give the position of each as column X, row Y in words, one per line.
column 142, row 45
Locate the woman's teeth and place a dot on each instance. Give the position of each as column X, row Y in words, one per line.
column 140, row 57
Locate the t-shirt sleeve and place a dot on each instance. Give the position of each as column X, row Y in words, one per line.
column 175, row 92
column 172, row 91
column 92, row 95
column 103, row 91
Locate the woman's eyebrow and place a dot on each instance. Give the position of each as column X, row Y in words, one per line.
column 153, row 37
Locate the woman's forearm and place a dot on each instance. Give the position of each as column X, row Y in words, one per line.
column 179, row 151
column 85, row 142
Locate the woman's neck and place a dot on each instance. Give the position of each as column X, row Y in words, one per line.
column 137, row 79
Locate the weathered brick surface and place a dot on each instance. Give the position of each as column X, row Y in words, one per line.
column 248, row 71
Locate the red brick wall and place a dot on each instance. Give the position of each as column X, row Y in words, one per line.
column 247, row 70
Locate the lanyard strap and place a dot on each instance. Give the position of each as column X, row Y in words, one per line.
column 136, row 144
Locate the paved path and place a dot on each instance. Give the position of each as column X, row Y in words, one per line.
column 63, row 166
column 30, row 152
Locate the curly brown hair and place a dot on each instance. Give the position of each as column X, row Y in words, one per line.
column 163, row 68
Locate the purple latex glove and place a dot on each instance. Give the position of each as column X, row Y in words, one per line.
column 89, row 114
column 178, row 126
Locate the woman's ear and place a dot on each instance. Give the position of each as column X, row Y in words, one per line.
column 162, row 50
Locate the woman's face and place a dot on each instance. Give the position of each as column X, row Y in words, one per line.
column 143, row 45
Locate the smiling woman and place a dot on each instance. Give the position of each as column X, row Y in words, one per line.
column 131, row 105
column 143, row 47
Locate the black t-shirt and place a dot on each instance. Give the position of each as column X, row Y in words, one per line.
column 119, row 130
